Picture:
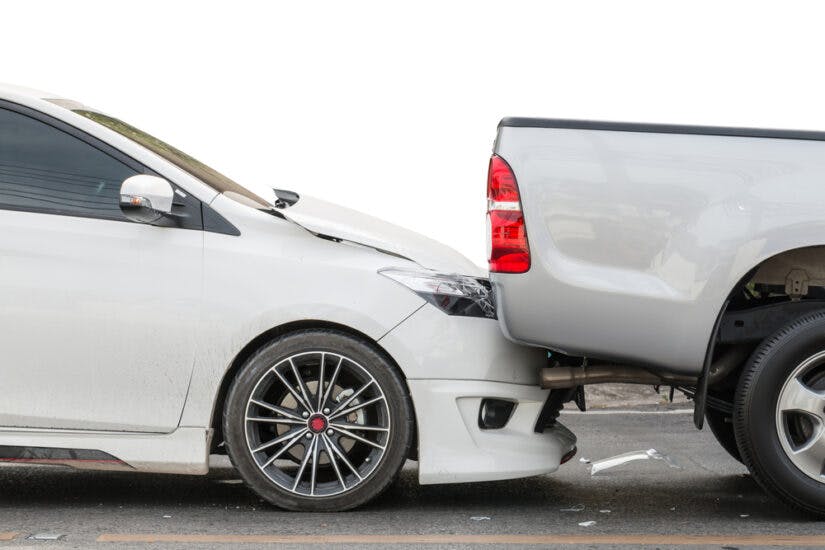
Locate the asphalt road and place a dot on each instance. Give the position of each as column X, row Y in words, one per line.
column 708, row 501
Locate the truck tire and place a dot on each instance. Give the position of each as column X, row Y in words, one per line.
column 318, row 421
column 779, row 414
column 721, row 425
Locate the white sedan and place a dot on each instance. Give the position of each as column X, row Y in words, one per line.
column 153, row 311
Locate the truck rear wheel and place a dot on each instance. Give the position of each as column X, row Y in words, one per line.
column 779, row 414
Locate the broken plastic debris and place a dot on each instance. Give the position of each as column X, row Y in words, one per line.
column 587, row 523
column 167, row 517
column 622, row 459
column 480, row 518
column 744, row 515
column 584, row 460
column 576, row 508
column 604, row 511
column 230, row 481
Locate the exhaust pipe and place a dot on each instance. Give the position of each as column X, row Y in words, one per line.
column 570, row 377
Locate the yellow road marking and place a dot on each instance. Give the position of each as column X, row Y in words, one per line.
column 7, row 536
column 636, row 540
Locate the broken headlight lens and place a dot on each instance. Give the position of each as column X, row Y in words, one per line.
column 453, row 294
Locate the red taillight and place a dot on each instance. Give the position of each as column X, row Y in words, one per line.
column 508, row 251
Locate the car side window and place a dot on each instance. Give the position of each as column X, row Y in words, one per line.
column 44, row 169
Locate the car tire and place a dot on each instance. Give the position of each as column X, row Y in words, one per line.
column 779, row 414
column 334, row 449
column 721, row 426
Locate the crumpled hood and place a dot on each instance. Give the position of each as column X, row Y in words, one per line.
column 336, row 221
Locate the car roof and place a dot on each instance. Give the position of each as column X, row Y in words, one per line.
column 13, row 90
column 36, row 98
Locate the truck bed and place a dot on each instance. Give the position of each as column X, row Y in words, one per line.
column 638, row 233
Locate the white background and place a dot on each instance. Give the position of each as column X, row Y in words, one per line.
column 391, row 107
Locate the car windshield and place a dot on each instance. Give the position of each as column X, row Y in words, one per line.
column 196, row 168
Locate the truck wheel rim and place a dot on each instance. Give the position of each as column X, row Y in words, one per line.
column 317, row 424
column 800, row 417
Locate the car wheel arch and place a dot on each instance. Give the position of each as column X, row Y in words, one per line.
column 268, row 336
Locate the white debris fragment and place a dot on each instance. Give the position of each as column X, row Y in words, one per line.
column 480, row 518
column 587, row 523
column 576, row 508
column 584, row 460
column 744, row 515
column 604, row 511
column 625, row 458
column 231, row 481
column 167, row 517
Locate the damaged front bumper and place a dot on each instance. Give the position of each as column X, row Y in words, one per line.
column 453, row 364
column 454, row 448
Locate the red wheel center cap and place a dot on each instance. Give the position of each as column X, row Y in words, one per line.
column 317, row 423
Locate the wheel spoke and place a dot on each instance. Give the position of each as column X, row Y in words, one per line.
column 266, row 420
column 811, row 456
column 352, row 397
column 332, row 460
column 799, row 397
column 291, row 390
column 348, row 426
column 349, row 434
column 356, row 407
column 319, row 392
column 344, row 459
column 279, row 410
column 332, row 380
column 301, row 385
column 291, row 443
column 314, row 472
column 304, row 462
column 277, row 440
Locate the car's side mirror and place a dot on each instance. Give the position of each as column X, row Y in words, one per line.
column 146, row 199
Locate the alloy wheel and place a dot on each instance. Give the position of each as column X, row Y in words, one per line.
column 800, row 417
column 317, row 424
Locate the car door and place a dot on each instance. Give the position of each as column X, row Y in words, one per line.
column 97, row 314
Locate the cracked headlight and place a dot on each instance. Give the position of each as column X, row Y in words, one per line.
column 453, row 294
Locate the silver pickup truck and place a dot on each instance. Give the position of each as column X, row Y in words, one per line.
column 685, row 256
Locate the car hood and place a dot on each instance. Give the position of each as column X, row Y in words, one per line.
column 331, row 220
